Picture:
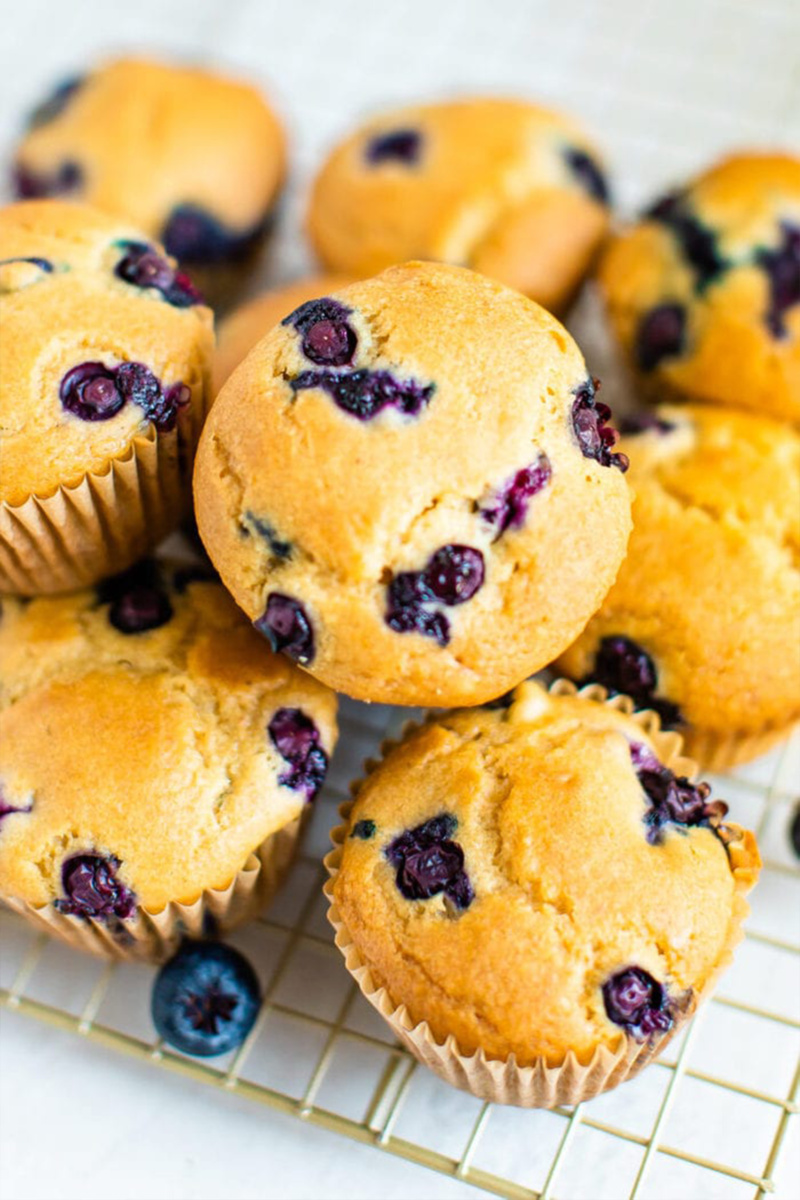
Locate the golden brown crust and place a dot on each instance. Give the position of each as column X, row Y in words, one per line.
column 150, row 747
column 711, row 584
column 491, row 190
column 567, row 888
column 359, row 501
column 730, row 356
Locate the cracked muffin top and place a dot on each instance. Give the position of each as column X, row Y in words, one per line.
column 104, row 341
column 391, row 482
column 504, row 187
column 146, row 705
column 704, row 292
column 193, row 158
column 468, row 903
column 703, row 622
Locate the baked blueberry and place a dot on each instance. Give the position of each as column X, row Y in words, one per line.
column 92, row 890
column 588, row 174
column 364, row 830
column 365, row 393
column 56, row 102
column 285, row 624
column 594, row 435
column 327, row 337
column 398, row 145
column 7, row 809
column 637, row 1002
column 206, row 999
column 455, row 573
column 661, row 334
column 144, row 267
column 782, row 266
column 698, row 243
column 33, row 185
column 95, row 392
column 296, row 738
column 43, row 264
column 428, row 862
column 193, row 235
column 622, row 665
column 452, row 576
column 137, row 599
column 508, row 507
column 278, row 547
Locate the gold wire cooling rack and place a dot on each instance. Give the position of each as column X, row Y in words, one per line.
column 320, row 1053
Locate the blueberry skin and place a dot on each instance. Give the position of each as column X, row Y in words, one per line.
column 205, row 1000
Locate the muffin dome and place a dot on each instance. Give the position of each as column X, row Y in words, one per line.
column 504, row 187
column 703, row 622
column 533, row 880
column 149, row 743
column 194, row 159
column 704, row 292
column 239, row 332
column 391, row 482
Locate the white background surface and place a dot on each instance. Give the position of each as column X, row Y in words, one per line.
column 665, row 84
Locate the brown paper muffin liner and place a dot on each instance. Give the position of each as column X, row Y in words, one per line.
column 106, row 521
column 720, row 751
column 542, row 1084
column 155, row 936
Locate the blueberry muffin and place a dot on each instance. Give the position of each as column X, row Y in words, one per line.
column 239, row 332
column 155, row 760
column 703, row 622
column 411, row 489
column 104, row 388
column 504, row 187
column 704, row 292
column 193, row 159
column 542, row 885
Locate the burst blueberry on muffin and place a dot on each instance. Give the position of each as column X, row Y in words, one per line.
column 542, row 883
column 391, row 484
column 703, row 622
column 104, row 388
column 240, row 331
column 155, row 759
column 504, row 187
column 704, row 292
column 194, row 159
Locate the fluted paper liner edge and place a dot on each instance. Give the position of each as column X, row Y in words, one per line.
column 542, row 1084
column 154, row 936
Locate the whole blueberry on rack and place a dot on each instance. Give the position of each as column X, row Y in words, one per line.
column 205, row 1000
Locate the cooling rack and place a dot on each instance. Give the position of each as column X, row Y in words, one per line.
column 319, row 1052
column 665, row 86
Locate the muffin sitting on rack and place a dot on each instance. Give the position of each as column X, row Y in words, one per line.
column 504, row 187
column 155, row 761
column 194, row 159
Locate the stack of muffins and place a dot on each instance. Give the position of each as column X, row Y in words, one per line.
column 412, row 494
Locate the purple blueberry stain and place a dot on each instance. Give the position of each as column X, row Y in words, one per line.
column 588, row 174
column 428, row 862
column 644, row 422
column 364, row 830
column 508, row 506
column 643, row 758
column 328, row 339
column 193, row 235
column 278, row 547
column 451, row 577
column 95, row 392
column 396, row 145
column 364, row 393
column 137, row 599
column 782, row 265
column 623, row 666
column 697, row 242
column 638, row 1003
column 142, row 266
column 296, row 738
column 660, row 334
column 65, row 180
column 594, row 435
column 92, row 890
column 56, row 102
column 286, row 626
column 42, row 264
column 7, row 809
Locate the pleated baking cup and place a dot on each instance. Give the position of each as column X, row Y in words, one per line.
column 155, row 936
column 105, row 522
column 720, row 751
column 543, row 1083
